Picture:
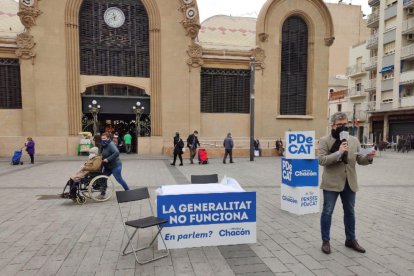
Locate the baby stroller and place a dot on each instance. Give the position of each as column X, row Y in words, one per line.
column 16, row 157
column 202, row 157
column 94, row 185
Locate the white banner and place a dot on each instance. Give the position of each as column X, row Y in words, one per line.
column 208, row 235
column 212, row 219
column 300, row 200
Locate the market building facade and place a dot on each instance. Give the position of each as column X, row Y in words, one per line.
column 71, row 58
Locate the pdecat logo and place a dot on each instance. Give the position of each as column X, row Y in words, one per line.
column 300, row 145
column 300, row 172
column 286, row 170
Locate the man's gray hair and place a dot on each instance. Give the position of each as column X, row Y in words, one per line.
column 338, row 116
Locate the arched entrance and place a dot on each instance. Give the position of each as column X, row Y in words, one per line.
column 72, row 17
column 114, row 105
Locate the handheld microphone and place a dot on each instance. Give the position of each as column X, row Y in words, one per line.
column 344, row 136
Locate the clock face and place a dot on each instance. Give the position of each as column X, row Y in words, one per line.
column 114, row 17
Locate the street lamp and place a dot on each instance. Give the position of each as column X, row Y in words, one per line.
column 138, row 109
column 252, row 78
column 94, row 110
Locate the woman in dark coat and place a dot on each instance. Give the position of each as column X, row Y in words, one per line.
column 178, row 149
column 30, row 148
column 110, row 158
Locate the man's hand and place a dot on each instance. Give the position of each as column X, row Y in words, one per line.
column 343, row 147
column 105, row 160
column 371, row 155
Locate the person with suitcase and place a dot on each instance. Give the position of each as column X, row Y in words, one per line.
column 30, row 148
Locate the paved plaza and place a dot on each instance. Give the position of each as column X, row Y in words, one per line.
column 41, row 234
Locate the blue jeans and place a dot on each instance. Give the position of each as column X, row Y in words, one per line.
column 348, row 203
column 117, row 174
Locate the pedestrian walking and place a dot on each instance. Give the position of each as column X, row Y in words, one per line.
column 257, row 147
column 128, row 142
column 339, row 178
column 192, row 143
column 228, row 148
column 178, row 149
column 30, row 148
column 111, row 162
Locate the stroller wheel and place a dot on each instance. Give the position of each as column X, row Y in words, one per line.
column 80, row 199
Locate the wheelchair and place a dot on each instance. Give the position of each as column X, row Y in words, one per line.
column 95, row 186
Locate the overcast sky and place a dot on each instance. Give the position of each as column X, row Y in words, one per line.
column 250, row 8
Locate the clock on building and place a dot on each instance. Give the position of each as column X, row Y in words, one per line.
column 114, row 17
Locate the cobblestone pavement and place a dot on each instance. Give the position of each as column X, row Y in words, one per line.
column 56, row 237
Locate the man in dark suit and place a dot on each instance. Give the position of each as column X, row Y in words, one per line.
column 338, row 157
column 192, row 142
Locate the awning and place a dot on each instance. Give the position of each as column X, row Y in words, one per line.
column 387, row 68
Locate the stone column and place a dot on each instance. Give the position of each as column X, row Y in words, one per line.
column 28, row 98
column 386, row 127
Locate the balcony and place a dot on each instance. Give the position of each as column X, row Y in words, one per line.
column 372, row 42
column 355, row 70
column 371, row 85
column 408, row 26
column 408, row 4
column 356, row 92
column 373, row 3
column 371, row 64
column 407, row 52
column 407, row 101
column 387, row 106
column 373, row 20
column 407, row 77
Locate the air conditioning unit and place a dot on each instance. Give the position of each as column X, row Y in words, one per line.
column 410, row 37
column 410, row 11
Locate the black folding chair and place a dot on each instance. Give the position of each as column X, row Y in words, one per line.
column 204, row 179
column 137, row 195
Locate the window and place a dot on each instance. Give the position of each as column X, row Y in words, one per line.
column 390, row 23
column 339, row 107
column 389, row 48
column 388, row 75
column 225, row 90
column 116, row 90
column 358, row 84
column 294, row 71
column 390, row 3
column 107, row 51
column 10, row 89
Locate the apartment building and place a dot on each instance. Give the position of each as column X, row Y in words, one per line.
column 353, row 99
column 390, row 67
column 357, row 102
